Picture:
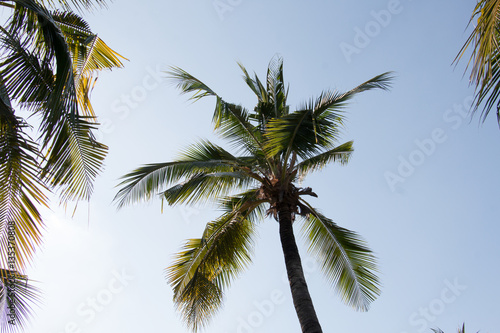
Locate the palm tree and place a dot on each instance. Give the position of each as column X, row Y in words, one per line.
column 275, row 148
column 485, row 59
column 49, row 60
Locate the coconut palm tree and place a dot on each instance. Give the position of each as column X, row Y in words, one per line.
column 275, row 147
column 485, row 58
column 49, row 60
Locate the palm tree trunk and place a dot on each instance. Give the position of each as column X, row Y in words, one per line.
column 300, row 293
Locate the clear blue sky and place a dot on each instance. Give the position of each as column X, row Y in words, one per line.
column 422, row 186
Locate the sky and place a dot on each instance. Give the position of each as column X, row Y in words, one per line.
column 421, row 187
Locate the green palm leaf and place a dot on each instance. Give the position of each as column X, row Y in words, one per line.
column 75, row 158
column 90, row 54
column 254, row 84
column 230, row 120
column 189, row 84
column 79, row 5
column 248, row 202
column 305, row 132
column 484, row 41
column 203, row 187
column 207, row 265
column 66, row 136
column 340, row 154
column 203, row 158
column 26, row 77
column 232, row 123
column 276, row 87
column 66, row 132
column 344, row 258
column 21, row 189
column 272, row 98
column 149, row 180
column 316, row 125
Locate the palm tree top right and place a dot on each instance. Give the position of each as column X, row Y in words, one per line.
column 483, row 43
column 271, row 149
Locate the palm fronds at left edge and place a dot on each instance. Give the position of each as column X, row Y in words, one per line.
column 18, row 297
column 74, row 157
column 42, row 72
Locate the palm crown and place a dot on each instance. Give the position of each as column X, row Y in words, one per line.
column 274, row 148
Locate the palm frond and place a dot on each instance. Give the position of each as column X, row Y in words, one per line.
column 17, row 299
column 200, row 158
column 206, row 187
column 90, row 53
column 204, row 151
column 339, row 154
column 317, row 124
column 246, row 202
column 334, row 102
column 485, row 57
column 232, row 123
column 276, row 87
column 206, row 266
column 61, row 124
column 21, row 189
column 251, row 83
column 79, row 5
column 189, row 84
column 25, row 22
column 27, row 78
column 254, row 84
column 344, row 259
column 230, row 120
column 75, row 158
column 381, row 81
column 271, row 99
column 489, row 91
column 149, row 180
column 68, row 119
column 301, row 132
